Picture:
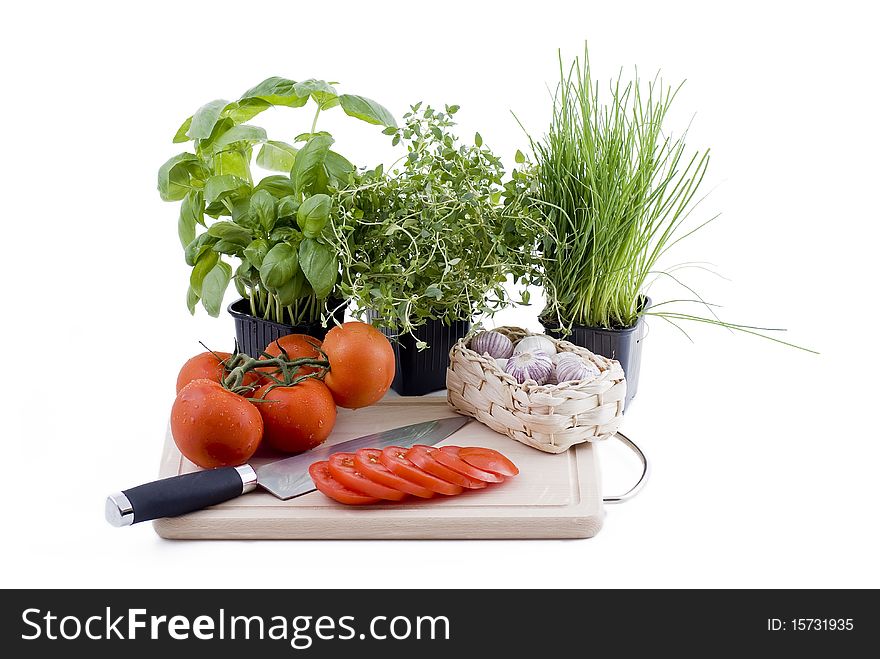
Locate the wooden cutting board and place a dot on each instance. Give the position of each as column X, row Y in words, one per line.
column 554, row 496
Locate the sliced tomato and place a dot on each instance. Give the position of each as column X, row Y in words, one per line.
column 421, row 457
column 343, row 468
column 448, row 457
column 489, row 460
column 369, row 463
column 394, row 458
column 320, row 473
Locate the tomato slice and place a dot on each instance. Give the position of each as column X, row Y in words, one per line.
column 489, row 460
column 394, row 458
column 343, row 468
column 421, row 456
column 320, row 473
column 448, row 457
column 369, row 463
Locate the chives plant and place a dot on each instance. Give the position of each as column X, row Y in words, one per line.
column 613, row 190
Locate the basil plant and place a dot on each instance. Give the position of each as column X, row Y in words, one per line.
column 277, row 229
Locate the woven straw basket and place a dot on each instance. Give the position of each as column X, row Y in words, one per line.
column 551, row 417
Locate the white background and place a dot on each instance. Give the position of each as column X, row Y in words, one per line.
column 765, row 458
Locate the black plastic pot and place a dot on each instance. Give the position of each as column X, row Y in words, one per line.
column 255, row 333
column 624, row 345
column 421, row 372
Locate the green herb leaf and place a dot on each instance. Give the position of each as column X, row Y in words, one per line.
column 192, row 299
column 313, row 215
column 175, row 176
column 191, row 212
column 434, row 292
column 180, row 135
column 295, row 287
column 277, row 91
column 231, row 232
column 197, row 248
column 279, row 186
column 276, row 156
column 287, row 207
column 236, row 163
column 200, row 270
column 278, row 266
column 245, row 110
column 320, row 266
column 338, row 169
column 205, row 118
column 519, row 158
column 263, row 208
column 214, row 286
column 478, row 139
column 220, row 187
column 367, row 110
column 256, row 252
column 246, row 133
column 309, row 165
column 320, row 90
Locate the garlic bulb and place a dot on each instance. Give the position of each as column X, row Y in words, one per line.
column 534, row 366
column 574, row 368
column 536, row 343
column 494, row 344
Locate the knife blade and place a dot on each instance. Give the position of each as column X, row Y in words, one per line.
column 285, row 479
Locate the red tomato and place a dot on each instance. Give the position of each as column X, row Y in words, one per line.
column 343, row 468
column 208, row 366
column 297, row 418
column 214, row 427
column 296, row 346
column 394, row 458
column 489, row 460
column 448, row 457
column 332, row 488
column 369, row 463
column 420, row 456
column 361, row 364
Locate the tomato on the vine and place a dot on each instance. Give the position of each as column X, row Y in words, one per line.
column 297, row 346
column 296, row 418
column 361, row 364
column 214, row 427
column 210, row 366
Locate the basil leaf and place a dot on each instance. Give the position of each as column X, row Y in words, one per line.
column 320, row 266
column 339, row 169
column 225, row 185
column 197, row 248
column 277, row 91
column 293, row 289
column 279, row 186
column 205, row 118
column 191, row 212
column 284, row 233
column 276, row 156
column 256, row 252
column 320, row 90
column 313, row 215
column 278, row 265
column 192, row 299
column 180, row 135
column 236, row 163
column 228, row 247
column 203, row 266
column 244, row 133
column 367, row 110
column 246, row 109
column 263, row 208
column 175, row 176
column 308, row 167
column 287, row 207
column 214, row 286
column 231, row 232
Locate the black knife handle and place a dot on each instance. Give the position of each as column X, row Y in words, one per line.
column 177, row 495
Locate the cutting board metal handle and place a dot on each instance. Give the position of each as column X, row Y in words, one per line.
column 646, row 471
column 177, row 495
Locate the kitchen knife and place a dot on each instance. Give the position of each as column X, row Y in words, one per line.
column 285, row 478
